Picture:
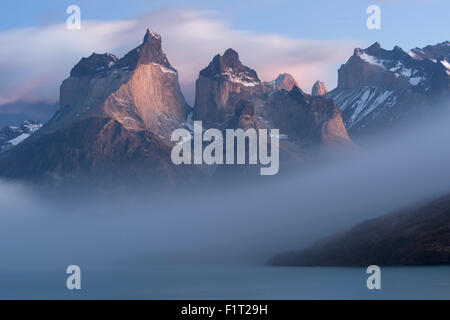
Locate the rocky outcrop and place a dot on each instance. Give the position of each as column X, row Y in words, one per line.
column 283, row 82
column 318, row 89
column 414, row 236
column 306, row 119
column 219, row 84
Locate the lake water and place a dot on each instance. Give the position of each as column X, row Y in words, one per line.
column 228, row 282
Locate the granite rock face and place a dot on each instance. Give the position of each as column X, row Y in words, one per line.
column 279, row 104
column 112, row 111
column 136, row 102
column 217, row 86
column 141, row 91
column 284, row 82
column 318, row 89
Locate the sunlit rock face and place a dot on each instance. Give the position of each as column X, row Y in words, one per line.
column 221, row 85
column 284, row 82
column 141, row 91
column 120, row 113
column 318, row 89
column 230, row 94
column 114, row 113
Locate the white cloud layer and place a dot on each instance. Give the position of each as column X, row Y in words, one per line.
column 34, row 61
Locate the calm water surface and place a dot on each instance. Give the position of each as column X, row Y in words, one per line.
column 228, row 282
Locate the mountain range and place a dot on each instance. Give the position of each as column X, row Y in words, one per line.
column 117, row 114
column 122, row 110
column 378, row 89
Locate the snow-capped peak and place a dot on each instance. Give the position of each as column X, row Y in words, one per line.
column 239, row 78
column 396, row 66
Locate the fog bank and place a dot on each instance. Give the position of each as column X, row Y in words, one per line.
column 242, row 222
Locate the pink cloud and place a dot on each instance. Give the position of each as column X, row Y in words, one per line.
column 34, row 61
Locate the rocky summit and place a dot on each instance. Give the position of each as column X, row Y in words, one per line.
column 318, row 89
column 380, row 88
column 114, row 113
column 304, row 120
column 218, row 84
column 118, row 114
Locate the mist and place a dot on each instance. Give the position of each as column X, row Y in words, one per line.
column 238, row 222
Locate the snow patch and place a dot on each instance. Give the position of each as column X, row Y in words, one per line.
column 164, row 69
column 446, row 65
column 372, row 60
column 414, row 56
column 19, row 139
column 154, row 34
column 415, row 80
column 360, row 104
column 240, row 78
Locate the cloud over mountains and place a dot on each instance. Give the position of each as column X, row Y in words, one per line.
column 34, row 61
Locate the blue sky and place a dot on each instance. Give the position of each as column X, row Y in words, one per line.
column 308, row 39
column 407, row 23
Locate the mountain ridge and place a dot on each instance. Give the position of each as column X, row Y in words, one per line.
column 378, row 88
column 418, row 235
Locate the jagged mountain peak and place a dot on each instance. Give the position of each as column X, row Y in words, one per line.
column 140, row 90
column 150, row 34
column 375, row 50
column 231, row 57
column 377, row 85
column 318, row 88
column 375, row 46
column 391, row 69
column 432, row 52
column 229, row 67
column 372, row 49
column 123, row 113
column 150, row 51
column 284, row 81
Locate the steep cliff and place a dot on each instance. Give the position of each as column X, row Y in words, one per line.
column 114, row 114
